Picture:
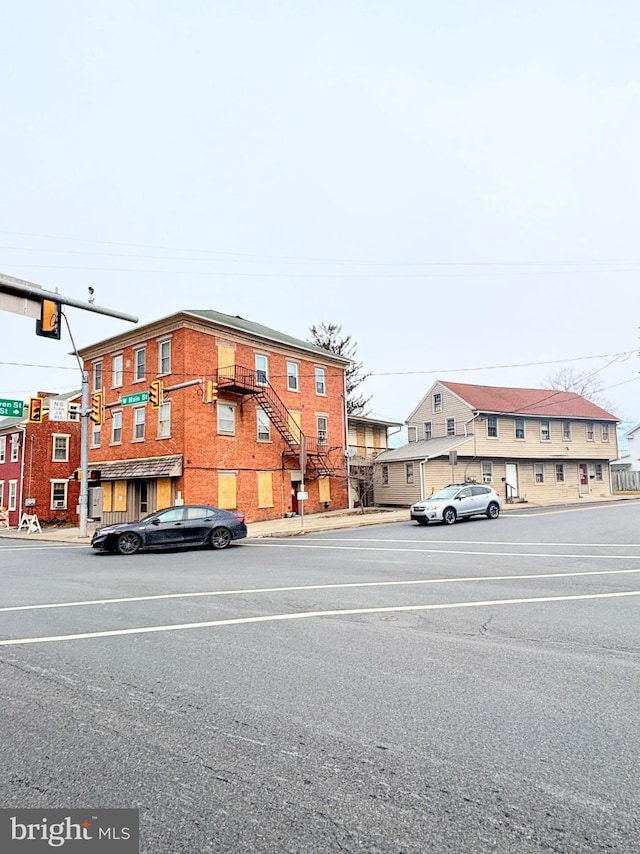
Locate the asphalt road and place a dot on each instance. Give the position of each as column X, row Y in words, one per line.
column 395, row 689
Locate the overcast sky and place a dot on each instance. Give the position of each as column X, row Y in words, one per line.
column 455, row 183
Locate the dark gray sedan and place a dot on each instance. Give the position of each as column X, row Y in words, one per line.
column 185, row 526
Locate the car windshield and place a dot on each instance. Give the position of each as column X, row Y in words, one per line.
column 445, row 492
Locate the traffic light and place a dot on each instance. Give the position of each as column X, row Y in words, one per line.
column 95, row 474
column 97, row 404
column 156, row 394
column 49, row 325
column 36, row 410
column 211, row 393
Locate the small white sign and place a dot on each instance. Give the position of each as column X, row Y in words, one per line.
column 58, row 409
column 303, row 496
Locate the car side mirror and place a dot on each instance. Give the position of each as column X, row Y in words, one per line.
column 155, row 522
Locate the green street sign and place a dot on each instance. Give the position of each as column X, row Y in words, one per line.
column 133, row 399
column 11, row 408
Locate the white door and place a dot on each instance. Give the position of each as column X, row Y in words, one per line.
column 511, row 481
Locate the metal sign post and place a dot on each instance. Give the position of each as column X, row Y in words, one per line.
column 302, row 495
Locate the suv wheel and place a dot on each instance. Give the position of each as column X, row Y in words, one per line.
column 493, row 511
column 449, row 516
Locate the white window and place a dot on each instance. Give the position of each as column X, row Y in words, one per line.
column 559, row 472
column 13, row 495
column 598, row 470
column 164, row 421
column 74, row 412
column 97, row 376
column 566, row 431
column 519, row 427
column 262, row 369
column 492, row 426
column 139, row 363
column 409, row 472
column 538, row 472
column 116, row 428
column 96, row 435
column 322, row 424
column 60, row 448
column 164, row 357
column 15, row 447
column 226, row 418
column 591, row 431
column 1, row 494
column 116, row 371
column 321, row 387
column 428, row 429
column 264, row 426
column 437, row 402
column 451, row 426
column 59, row 494
column 487, row 472
column 605, row 432
column 139, row 414
column 3, row 449
column 545, row 431
column 292, row 376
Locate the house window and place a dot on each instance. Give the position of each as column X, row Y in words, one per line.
column 322, row 422
column 164, row 421
column 492, row 426
column 1, row 494
column 292, row 376
column 321, row 387
column 428, row 429
column 566, row 431
column 437, row 402
column 559, row 472
column 519, row 428
column 262, row 369
column 15, row 447
column 385, row 475
column 591, row 431
column 487, row 472
column 139, row 414
column 264, row 426
column 96, row 435
column 226, row 419
column 598, row 471
column 605, row 432
column 451, row 426
column 538, row 472
column 409, row 472
column 545, row 431
column 164, row 357
column 116, row 371
column 3, row 449
column 59, row 494
column 140, row 363
column 116, row 428
column 74, row 412
column 60, row 448
column 13, row 495
column 97, row 376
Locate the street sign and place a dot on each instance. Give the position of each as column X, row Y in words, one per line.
column 58, row 409
column 133, row 399
column 302, row 496
column 11, row 408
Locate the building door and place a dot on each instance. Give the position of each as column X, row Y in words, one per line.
column 511, row 481
column 295, row 486
column 583, row 475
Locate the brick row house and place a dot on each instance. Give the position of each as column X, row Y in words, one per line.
column 528, row 443
column 241, row 404
column 37, row 462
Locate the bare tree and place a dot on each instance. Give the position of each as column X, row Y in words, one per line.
column 329, row 336
column 589, row 385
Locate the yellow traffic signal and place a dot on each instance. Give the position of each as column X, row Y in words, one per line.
column 97, row 408
column 49, row 325
column 211, row 393
column 36, row 410
column 156, row 393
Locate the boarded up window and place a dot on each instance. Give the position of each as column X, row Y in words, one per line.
column 107, row 497
column 295, row 420
column 120, row 496
column 227, row 490
column 163, row 496
column 226, row 360
column 265, row 489
column 324, row 487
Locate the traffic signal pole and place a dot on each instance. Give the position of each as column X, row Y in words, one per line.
column 83, row 516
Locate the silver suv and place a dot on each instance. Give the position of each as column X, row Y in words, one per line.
column 457, row 501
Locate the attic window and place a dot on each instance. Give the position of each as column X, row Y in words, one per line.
column 437, row 402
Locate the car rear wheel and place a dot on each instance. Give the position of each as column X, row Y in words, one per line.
column 128, row 543
column 220, row 538
column 449, row 516
column 422, row 521
column 493, row 511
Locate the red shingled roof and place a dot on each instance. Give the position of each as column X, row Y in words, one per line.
column 528, row 401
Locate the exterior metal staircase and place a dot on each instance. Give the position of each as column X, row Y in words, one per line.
column 239, row 380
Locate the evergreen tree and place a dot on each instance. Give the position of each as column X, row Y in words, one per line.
column 329, row 336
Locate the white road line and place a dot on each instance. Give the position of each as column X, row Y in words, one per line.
column 476, row 553
column 50, row 545
column 488, row 543
column 302, row 587
column 302, row 615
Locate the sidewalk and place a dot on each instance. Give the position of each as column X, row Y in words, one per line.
column 332, row 520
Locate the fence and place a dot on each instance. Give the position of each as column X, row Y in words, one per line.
column 625, row 481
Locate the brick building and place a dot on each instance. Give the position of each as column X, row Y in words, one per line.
column 37, row 460
column 239, row 403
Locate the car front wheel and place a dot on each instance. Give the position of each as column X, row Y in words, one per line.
column 449, row 516
column 220, row 538
column 422, row 521
column 128, row 543
column 493, row 511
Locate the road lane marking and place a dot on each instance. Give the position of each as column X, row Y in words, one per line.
column 483, row 543
column 317, row 545
column 302, row 615
column 47, row 547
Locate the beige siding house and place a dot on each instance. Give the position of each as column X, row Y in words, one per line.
column 529, row 444
column 367, row 439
